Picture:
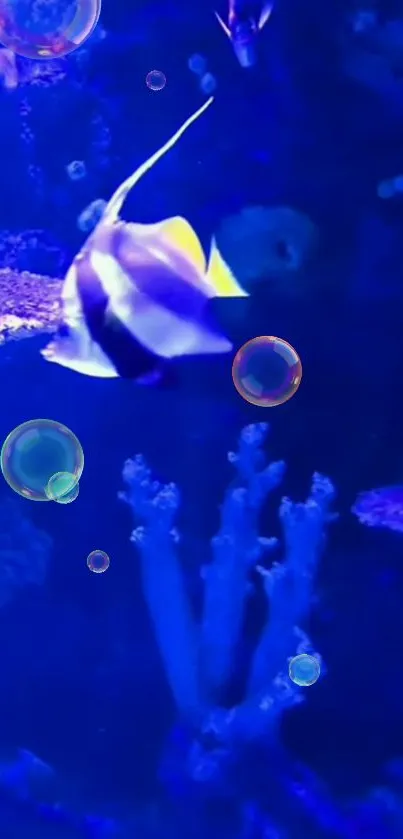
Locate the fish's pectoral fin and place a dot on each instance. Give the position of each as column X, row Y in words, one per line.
column 264, row 15
column 220, row 277
column 206, row 341
column 223, row 25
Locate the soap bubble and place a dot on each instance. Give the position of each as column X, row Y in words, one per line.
column 69, row 496
column 197, row 64
column 208, row 84
column 98, row 561
column 42, row 29
column 266, row 371
column 156, row 80
column 304, row 670
column 34, row 452
column 76, row 170
column 63, row 487
column 90, row 216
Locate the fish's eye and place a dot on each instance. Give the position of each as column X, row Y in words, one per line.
column 63, row 331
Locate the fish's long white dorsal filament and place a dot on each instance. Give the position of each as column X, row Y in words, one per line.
column 223, row 25
column 265, row 14
column 115, row 204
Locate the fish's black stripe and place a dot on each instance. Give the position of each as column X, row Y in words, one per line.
column 130, row 359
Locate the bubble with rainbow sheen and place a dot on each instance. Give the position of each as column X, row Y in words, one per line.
column 304, row 670
column 267, row 371
column 41, row 29
column 34, row 452
column 69, row 496
column 156, row 80
column 62, row 487
column 98, row 561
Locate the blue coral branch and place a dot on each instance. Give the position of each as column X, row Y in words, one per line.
column 289, row 585
column 235, row 548
column 155, row 507
column 199, row 662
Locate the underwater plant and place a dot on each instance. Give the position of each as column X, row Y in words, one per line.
column 200, row 658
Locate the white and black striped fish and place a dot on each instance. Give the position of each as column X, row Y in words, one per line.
column 137, row 294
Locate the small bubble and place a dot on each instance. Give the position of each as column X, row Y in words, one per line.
column 69, row 496
column 76, row 170
column 90, row 216
column 156, row 80
column 197, row 64
column 62, row 487
column 34, row 452
column 266, row 371
column 208, row 84
column 98, row 561
column 304, row 670
column 47, row 29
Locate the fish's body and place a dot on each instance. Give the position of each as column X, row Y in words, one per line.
column 244, row 23
column 136, row 296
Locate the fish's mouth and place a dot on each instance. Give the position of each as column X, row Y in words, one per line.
column 48, row 352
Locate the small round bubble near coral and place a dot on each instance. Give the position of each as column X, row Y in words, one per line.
column 267, row 371
column 304, row 670
column 39, row 29
column 156, row 80
column 98, row 561
column 62, row 487
column 37, row 450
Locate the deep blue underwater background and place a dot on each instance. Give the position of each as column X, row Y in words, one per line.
column 311, row 127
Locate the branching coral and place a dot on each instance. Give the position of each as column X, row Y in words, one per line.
column 200, row 660
column 29, row 304
column 24, row 552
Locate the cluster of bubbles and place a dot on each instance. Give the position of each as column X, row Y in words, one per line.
column 36, row 29
column 267, row 371
column 90, row 216
column 156, row 80
column 43, row 460
column 98, row 561
column 198, row 65
column 304, row 670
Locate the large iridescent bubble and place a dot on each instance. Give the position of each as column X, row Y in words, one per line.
column 47, row 28
column 266, row 371
column 34, row 452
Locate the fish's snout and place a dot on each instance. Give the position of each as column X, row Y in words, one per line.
column 48, row 352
